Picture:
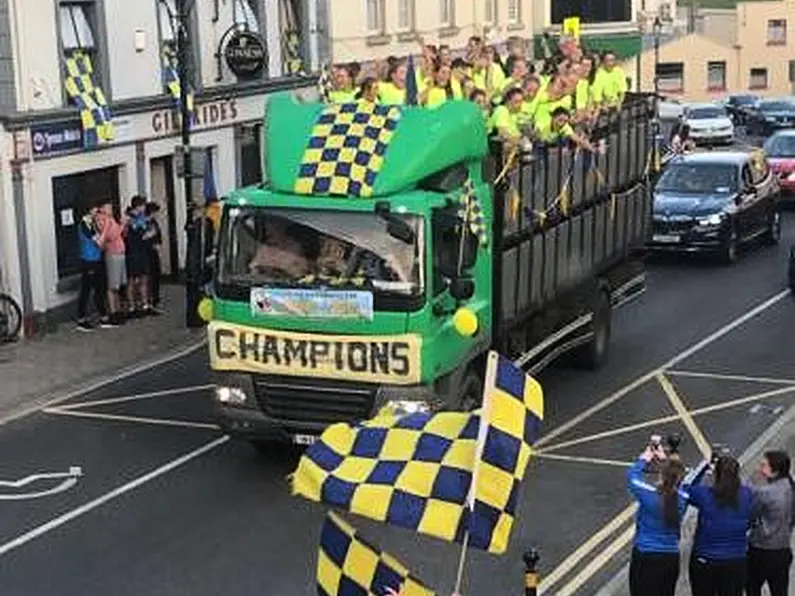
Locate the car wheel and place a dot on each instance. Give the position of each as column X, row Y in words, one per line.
column 728, row 252
column 773, row 233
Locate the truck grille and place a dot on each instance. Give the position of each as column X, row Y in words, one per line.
column 306, row 400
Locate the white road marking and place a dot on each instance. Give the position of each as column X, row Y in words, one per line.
column 684, row 414
column 680, row 357
column 104, row 382
column 726, row 405
column 135, row 419
column 722, row 377
column 57, row 522
column 68, row 480
column 137, row 397
column 584, row 460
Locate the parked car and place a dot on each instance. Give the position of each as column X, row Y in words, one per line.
column 739, row 106
column 669, row 109
column 771, row 115
column 709, row 124
column 780, row 152
column 714, row 202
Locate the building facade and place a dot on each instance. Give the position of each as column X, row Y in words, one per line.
column 57, row 159
column 382, row 28
column 750, row 49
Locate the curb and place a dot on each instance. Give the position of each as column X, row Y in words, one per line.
column 618, row 585
column 30, row 404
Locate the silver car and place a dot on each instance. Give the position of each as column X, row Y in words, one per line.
column 709, row 124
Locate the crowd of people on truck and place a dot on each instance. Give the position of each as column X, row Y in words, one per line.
column 743, row 532
column 554, row 99
column 119, row 263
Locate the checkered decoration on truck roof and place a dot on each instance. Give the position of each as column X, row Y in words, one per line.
column 346, row 150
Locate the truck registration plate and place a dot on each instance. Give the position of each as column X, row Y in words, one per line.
column 666, row 238
column 304, row 439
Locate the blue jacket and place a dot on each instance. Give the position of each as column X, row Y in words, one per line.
column 90, row 252
column 652, row 534
column 722, row 532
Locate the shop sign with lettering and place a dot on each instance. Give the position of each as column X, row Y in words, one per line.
column 393, row 360
column 217, row 113
column 246, row 54
column 56, row 138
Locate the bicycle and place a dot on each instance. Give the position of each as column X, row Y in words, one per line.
column 10, row 317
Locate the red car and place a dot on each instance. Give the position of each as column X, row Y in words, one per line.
column 780, row 152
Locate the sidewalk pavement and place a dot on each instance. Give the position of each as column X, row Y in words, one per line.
column 781, row 435
column 35, row 372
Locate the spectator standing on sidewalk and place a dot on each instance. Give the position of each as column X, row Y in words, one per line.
column 769, row 553
column 654, row 568
column 717, row 562
column 92, row 272
column 154, row 246
column 137, row 258
column 111, row 240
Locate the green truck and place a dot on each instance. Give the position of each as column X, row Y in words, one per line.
column 391, row 247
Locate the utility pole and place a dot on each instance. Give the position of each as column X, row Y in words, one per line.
column 194, row 230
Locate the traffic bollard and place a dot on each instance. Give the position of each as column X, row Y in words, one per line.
column 531, row 558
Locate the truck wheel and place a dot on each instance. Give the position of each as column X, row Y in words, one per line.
column 593, row 355
column 471, row 392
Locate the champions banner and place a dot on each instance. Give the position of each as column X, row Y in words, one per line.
column 392, row 359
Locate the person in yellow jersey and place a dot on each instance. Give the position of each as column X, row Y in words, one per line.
column 506, row 119
column 558, row 128
column 441, row 91
column 479, row 97
column 583, row 102
column 520, row 71
column 445, row 55
column 393, row 91
column 368, row 91
column 531, row 100
column 344, row 90
column 487, row 74
column 459, row 75
column 610, row 85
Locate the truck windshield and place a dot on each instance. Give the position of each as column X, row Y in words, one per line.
column 300, row 248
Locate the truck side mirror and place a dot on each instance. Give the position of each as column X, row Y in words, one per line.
column 462, row 289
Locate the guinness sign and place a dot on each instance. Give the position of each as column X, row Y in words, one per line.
column 245, row 54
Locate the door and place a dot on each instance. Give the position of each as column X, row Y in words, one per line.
column 162, row 193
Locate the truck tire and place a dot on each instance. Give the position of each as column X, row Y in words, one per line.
column 471, row 392
column 593, row 355
column 773, row 232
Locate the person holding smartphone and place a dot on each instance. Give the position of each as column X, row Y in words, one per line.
column 654, row 568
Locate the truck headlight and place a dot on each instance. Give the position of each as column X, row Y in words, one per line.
column 403, row 401
column 235, row 390
column 712, row 220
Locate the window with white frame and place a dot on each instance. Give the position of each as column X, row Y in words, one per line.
column 167, row 13
column 245, row 16
column 716, row 76
column 406, row 15
column 490, row 12
column 375, row 17
column 76, row 30
column 514, row 11
column 446, row 13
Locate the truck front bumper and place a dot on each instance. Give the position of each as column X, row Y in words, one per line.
column 265, row 408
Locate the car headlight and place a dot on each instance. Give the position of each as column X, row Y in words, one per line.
column 712, row 220
column 235, row 390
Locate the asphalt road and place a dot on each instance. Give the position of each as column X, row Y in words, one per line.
column 165, row 505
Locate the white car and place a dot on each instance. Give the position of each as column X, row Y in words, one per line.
column 709, row 124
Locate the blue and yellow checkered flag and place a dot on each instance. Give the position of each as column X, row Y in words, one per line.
column 416, row 471
column 471, row 213
column 172, row 83
column 348, row 565
column 95, row 114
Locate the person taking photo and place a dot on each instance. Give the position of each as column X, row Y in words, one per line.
column 654, row 568
column 717, row 562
